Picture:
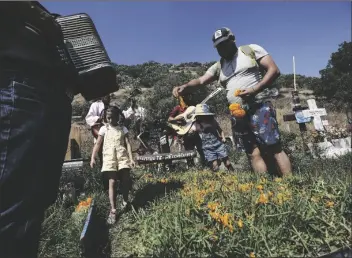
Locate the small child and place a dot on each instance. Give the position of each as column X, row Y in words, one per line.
column 213, row 138
column 117, row 161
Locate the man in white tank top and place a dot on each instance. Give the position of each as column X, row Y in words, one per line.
column 239, row 70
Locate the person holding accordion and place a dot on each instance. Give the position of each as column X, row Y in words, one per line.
column 37, row 84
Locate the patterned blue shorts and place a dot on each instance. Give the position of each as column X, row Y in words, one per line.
column 216, row 153
column 259, row 127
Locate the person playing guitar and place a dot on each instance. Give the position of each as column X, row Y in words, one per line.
column 190, row 139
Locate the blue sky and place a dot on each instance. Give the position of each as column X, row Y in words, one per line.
column 134, row 32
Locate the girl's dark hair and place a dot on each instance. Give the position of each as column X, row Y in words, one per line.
column 116, row 112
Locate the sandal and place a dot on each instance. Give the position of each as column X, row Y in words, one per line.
column 112, row 217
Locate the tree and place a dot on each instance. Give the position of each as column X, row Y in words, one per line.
column 336, row 78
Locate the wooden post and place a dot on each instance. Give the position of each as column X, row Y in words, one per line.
column 294, row 74
column 297, row 110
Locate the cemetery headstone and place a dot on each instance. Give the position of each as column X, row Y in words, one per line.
column 316, row 113
column 74, row 143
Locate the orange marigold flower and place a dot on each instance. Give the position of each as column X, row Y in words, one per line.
column 225, row 219
column 260, row 187
column 329, row 204
column 230, row 228
column 164, row 181
column 237, row 92
column 252, row 255
column 213, row 205
column 234, row 106
column 263, row 198
column 240, row 223
column 238, row 113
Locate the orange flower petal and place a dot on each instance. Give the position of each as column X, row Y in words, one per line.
column 234, row 106
column 237, row 92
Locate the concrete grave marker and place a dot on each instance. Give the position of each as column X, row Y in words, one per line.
column 316, row 113
column 74, row 143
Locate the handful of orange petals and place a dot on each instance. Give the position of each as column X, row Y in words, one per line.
column 236, row 109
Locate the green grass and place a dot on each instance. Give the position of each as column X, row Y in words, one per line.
column 228, row 215
column 200, row 213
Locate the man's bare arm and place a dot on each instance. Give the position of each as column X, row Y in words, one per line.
column 201, row 81
column 272, row 73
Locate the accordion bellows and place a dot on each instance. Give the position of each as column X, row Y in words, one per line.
column 97, row 75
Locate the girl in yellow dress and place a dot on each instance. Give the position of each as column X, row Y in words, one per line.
column 117, row 159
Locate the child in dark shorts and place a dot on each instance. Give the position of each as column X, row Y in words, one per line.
column 212, row 137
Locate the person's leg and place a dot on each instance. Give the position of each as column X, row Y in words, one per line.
column 112, row 193
column 35, row 124
column 222, row 155
column 125, row 183
column 211, row 160
column 256, row 160
column 281, row 159
column 248, row 142
column 215, row 165
column 266, row 131
column 228, row 164
column 110, row 177
column 284, row 163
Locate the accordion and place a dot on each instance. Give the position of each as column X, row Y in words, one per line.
column 96, row 73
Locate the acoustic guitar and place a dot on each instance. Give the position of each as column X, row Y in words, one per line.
column 189, row 115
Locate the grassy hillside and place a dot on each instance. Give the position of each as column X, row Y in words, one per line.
column 205, row 214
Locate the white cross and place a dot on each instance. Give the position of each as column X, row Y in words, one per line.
column 316, row 113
